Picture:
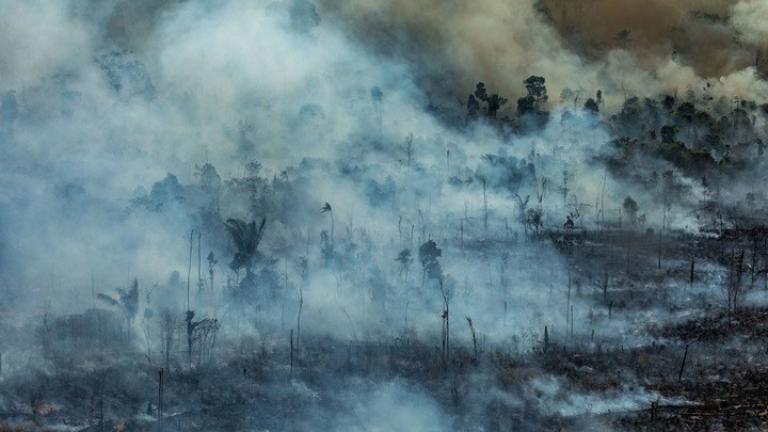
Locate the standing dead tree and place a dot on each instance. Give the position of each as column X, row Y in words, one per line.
column 200, row 281
column 168, row 326
column 733, row 286
column 605, row 286
column 189, row 267
column 328, row 209
column 446, row 325
column 160, row 398
column 568, row 306
column 290, row 358
column 211, row 267
column 522, row 206
column 692, row 271
column 485, row 205
column 682, row 364
column 200, row 334
column 429, row 255
column 300, row 293
column 755, row 234
column 474, row 337
column 204, row 337
column 191, row 324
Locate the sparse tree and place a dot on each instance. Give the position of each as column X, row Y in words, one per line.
column 630, row 209
column 404, row 259
column 328, row 209
column 428, row 256
column 591, row 106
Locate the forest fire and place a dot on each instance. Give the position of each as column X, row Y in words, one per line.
column 359, row 215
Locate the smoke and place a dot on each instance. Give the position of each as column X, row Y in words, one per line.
column 38, row 40
column 697, row 32
column 391, row 406
column 87, row 137
column 624, row 48
column 111, row 111
column 750, row 18
column 87, row 125
column 554, row 398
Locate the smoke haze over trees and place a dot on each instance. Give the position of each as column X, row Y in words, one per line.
column 368, row 215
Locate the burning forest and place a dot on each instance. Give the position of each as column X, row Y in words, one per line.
column 361, row 215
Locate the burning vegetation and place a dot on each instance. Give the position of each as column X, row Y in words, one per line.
column 365, row 231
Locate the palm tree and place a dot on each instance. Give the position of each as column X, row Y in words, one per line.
column 127, row 301
column 246, row 237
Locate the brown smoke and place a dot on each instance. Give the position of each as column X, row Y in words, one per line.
column 620, row 46
column 700, row 32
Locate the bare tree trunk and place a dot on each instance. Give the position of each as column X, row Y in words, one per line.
column 447, row 334
column 290, row 371
column 474, row 337
column 693, row 269
column 160, row 399
column 506, row 306
column 211, row 273
column 190, row 329
column 568, row 300
column 682, row 366
column 446, row 326
column 485, row 206
column 660, row 239
column 199, row 262
column 298, row 320
column 101, row 413
column 754, row 260
column 189, row 267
